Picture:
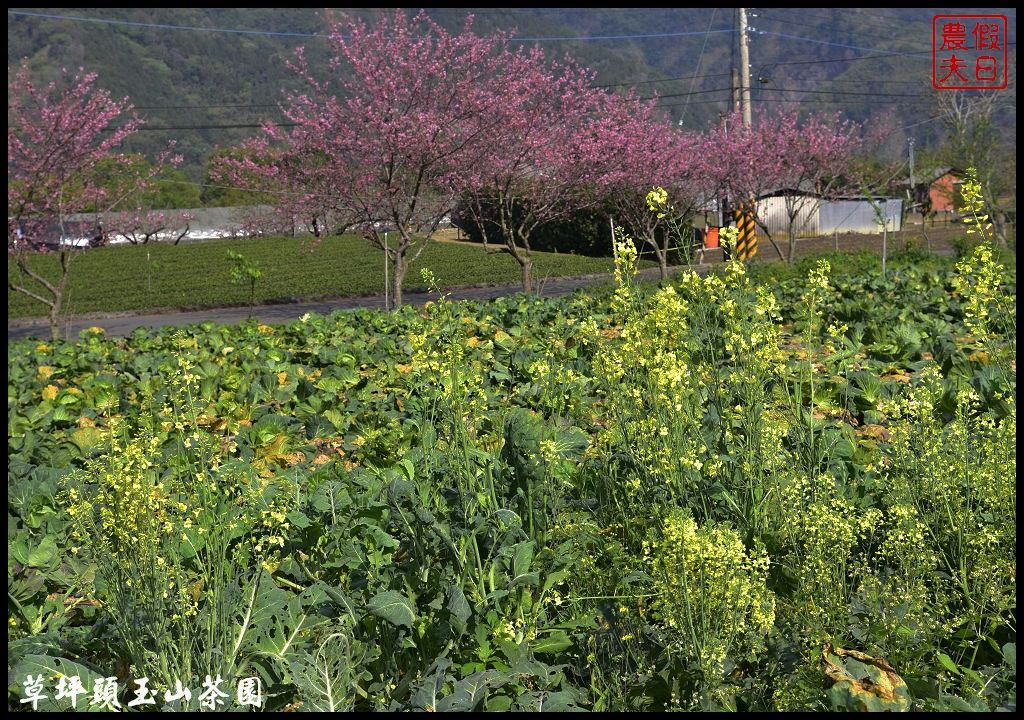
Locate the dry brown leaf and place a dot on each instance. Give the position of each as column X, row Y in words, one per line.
column 880, row 689
column 875, row 432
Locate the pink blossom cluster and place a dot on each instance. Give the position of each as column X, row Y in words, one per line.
column 408, row 121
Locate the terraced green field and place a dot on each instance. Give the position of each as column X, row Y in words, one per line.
column 197, row 275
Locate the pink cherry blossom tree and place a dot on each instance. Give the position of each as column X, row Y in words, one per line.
column 547, row 157
column 744, row 171
column 142, row 213
column 804, row 160
column 818, row 154
column 650, row 153
column 296, row 183
column 398, row 119
column 56, row 140
column 141, row 225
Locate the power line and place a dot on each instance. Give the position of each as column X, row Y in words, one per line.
column 203, row 107
column 780, row 64
column 842, row 45
column 502, row 11
column 258, row 105
column 652, row 97
column 565, row 38
column 838, row 92
column 788, row 21
column 859, row 57
column 551, row 38
column 268, row 33
column 887, row 21
column 161, row 26
column 671, row 79
column 922, row 122
column 822, row 81
column 623, row 37
column 861, row 15
column 204, row 127
column 917, row 96
column 699, row 59
column 798, row 100
column 237, row 126
column 756, row 87
column 685, row 94
column 851, row 47
column 868, row 82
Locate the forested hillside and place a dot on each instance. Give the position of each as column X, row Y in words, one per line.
column 207, row 77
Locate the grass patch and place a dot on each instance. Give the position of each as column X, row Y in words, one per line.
column 197, row 275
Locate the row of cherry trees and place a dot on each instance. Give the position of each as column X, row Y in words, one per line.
column 405, row 123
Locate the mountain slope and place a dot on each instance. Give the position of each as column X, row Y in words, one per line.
column 190, row 81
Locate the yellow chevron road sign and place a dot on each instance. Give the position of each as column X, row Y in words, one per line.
column 746, row 241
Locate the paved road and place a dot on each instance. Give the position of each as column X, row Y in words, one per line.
column 287, row 312
column 125, row 323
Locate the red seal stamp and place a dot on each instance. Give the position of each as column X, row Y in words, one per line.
column 969, row 52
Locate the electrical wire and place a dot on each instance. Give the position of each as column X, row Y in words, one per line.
column 699, row 59
column 268, row 33
column 832, row 44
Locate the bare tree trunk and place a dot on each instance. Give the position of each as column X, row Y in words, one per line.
column 527, row 267
column 521, row 252
column 54, row 322
column 885, row 238
column 995, row 216
column 47, row 286
column 398, row 277
column 792, row 244
column 764, row 228
column 58, row 296
column 183, row 234
column 660, row 251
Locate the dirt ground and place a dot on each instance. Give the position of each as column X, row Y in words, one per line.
column 936, row 239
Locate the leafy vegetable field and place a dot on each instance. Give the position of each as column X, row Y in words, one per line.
column 198, row 275
column 715, row 495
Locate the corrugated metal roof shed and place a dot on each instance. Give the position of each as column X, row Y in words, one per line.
column 858, row 215
column 815, row 215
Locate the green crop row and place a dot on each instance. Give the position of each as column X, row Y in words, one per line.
column 198, row 275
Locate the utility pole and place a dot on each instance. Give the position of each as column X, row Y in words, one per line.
column 732, row 65
column 912, row 191
column 735, row 89
column 913, row 187
column 744, row 68
column 885, row 238
column 911, row 164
